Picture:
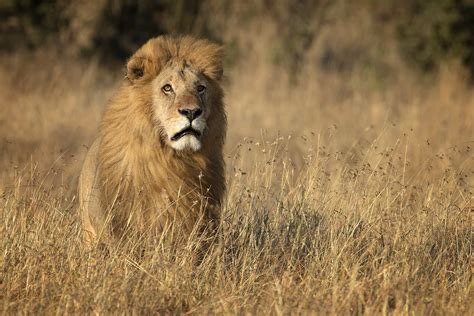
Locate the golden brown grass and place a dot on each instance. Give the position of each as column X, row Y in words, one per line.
column 343, row 198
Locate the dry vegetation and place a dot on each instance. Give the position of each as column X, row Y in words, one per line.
column 346, row 194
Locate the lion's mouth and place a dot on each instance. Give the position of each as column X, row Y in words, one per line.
column 186, row 131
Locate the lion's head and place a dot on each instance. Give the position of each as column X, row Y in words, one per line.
column 180, row 77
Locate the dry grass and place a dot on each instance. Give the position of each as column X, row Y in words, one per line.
column 343, row 198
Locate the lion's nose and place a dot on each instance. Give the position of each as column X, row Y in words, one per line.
column 191, row 114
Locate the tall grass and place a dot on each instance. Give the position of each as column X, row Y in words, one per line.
column 364, row 239
column 344, row 196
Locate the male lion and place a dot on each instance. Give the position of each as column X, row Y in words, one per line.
column 158, row 158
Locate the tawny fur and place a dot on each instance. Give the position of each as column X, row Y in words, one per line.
column 132, row 180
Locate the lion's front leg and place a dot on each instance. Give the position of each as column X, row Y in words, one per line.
column 92, row 216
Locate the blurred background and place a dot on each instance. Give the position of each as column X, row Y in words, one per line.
column 335, row 74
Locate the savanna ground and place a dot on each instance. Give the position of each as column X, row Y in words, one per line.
column 350, row 190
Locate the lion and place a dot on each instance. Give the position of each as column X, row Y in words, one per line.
column 157, row 161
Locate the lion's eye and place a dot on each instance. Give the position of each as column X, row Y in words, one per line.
column 167, row 88
column 201, row 89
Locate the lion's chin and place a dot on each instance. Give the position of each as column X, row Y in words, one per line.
column 187, row 142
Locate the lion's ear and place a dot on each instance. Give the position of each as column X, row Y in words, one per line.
column 218, row 71
column 138, row 68
column 214, row 63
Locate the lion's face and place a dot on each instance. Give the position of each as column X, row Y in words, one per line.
column 180, row 78
column 181, row 107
